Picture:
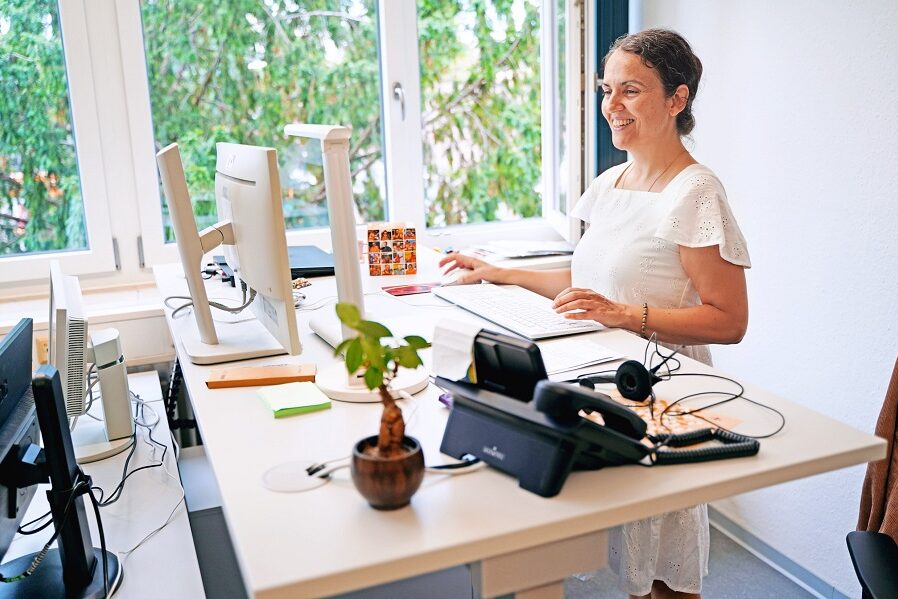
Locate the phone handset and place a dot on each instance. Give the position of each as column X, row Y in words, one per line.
column 562, row 403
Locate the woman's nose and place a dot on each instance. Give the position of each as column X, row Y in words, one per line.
column 613, row 100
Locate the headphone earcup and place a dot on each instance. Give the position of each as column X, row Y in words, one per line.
column 633, row 380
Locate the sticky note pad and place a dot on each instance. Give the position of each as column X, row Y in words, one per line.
column 294, row 398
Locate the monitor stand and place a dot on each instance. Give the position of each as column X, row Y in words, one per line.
column 236, row 341
column 90, row 442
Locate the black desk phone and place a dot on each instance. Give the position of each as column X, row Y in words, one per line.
column 534, row 432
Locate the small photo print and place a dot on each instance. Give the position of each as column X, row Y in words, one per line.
column 411, row 269
column 391, row 249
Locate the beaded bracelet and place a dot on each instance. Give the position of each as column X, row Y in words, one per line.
column 645, row 317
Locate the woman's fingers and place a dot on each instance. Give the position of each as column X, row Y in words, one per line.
column 572, row 294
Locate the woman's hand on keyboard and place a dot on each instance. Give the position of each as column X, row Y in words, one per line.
column 469, row 269
column 585, row 304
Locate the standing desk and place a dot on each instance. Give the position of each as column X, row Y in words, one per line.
column 329, row 541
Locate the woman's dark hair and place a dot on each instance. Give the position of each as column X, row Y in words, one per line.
column 672, row 57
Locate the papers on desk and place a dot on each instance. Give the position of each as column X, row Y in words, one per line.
column 522, row 249
column 452, row 347
column 574, row 352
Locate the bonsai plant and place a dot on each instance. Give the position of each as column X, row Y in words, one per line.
column 386, row 468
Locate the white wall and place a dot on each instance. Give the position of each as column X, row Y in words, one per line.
column 798, row 115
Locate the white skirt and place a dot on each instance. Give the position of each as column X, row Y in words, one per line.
column 672, row 547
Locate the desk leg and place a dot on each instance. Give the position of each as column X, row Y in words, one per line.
column 539, row 572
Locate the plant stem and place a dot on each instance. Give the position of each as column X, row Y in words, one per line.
column 392, row 426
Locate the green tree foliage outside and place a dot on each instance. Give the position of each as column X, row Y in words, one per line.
column 40, row 196
column 240, row 70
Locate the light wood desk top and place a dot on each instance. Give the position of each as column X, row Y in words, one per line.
column 328, row 540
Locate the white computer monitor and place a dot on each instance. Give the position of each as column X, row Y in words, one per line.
column 71, row 353
column 247, row 186
column 67, row 338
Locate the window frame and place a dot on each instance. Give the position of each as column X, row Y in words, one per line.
column 100, row 255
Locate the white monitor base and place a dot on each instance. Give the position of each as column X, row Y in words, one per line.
column 89, row 440
column 333, row 382
column 236, row 341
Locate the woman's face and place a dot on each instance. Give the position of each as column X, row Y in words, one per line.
column 635, row 105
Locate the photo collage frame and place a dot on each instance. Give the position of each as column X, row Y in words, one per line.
column 392, row 249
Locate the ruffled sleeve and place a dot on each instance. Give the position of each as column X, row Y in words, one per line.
column 583, row 208
column 701, row 217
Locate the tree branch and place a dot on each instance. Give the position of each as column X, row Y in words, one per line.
column 474, row 87
column 209, row 75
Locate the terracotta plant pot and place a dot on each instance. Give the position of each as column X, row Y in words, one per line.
column 387, row 483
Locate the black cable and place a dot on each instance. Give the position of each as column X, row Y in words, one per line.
column 116, row 493
column 730, row 397
column 93, row 502
column 21, row 530
column 39, row 557
column 171, row 401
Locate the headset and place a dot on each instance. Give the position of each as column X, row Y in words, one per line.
column 632, row 379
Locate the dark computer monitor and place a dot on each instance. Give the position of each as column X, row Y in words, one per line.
column 18, row 426
column 27, row 403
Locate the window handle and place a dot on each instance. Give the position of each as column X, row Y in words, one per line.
column 399, row 94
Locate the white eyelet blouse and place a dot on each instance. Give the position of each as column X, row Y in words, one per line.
column 630, row 253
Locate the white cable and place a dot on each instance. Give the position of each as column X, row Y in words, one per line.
column 149, row 427
column 479, row 465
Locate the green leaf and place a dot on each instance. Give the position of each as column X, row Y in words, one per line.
column 408, row 357
column 354, row 355
column 417, row 342
column 374, row 352
column 374, row 376
column 343, row 345
column 372, row 329
column 348, row 314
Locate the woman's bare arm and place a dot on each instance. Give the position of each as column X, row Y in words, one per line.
column 473, row 270
column 722, row 317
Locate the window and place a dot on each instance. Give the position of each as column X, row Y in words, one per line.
column 462, row 113
column 241, row 71
column 471, row 100
column 481, row 110
column 43, row 183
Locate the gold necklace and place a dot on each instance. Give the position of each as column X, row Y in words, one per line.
column 658, row 176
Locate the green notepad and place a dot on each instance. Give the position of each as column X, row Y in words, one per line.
column 294, row 398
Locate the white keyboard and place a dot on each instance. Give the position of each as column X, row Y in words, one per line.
column 521, row 311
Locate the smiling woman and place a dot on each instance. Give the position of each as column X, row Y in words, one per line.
column 663, row 257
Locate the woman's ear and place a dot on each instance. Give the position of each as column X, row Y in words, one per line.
column 678, row 99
